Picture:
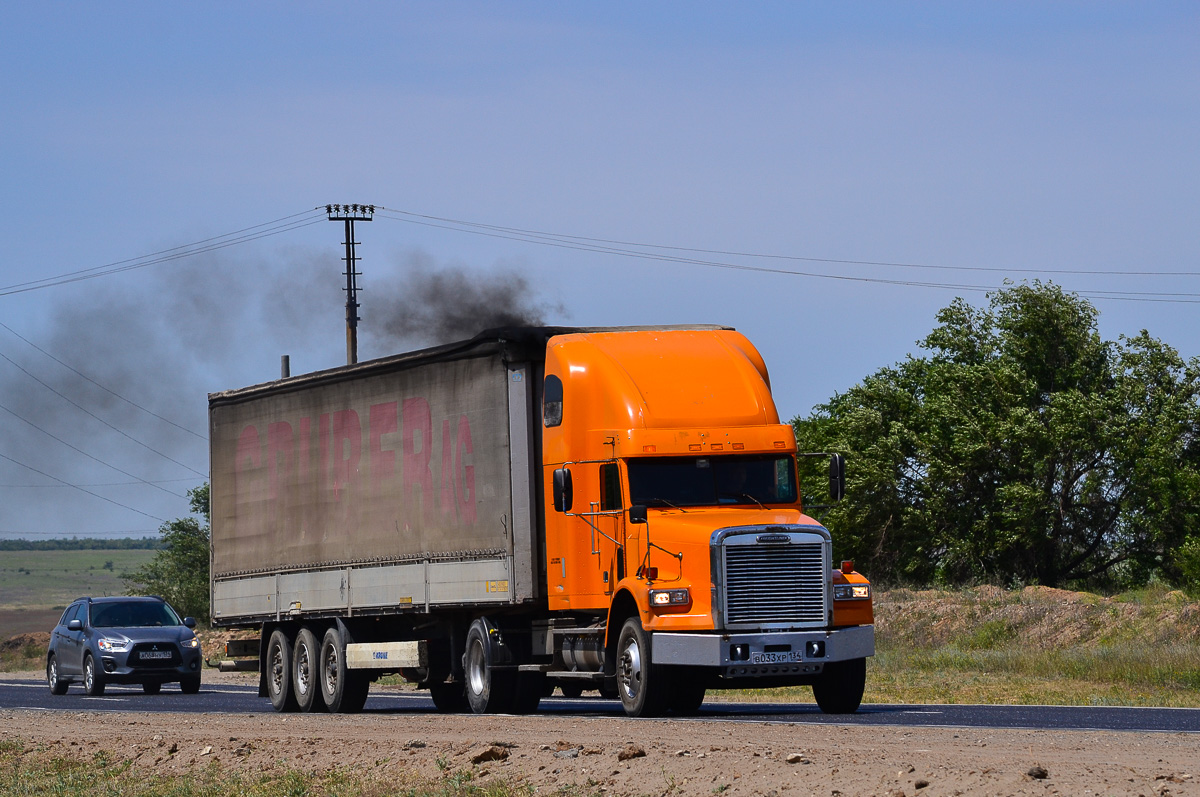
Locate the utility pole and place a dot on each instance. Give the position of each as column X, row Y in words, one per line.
column 350, row 214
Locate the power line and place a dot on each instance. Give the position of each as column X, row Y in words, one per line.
column 82, row 489
column 607, row 246
column 180, row 252
column 113, row 393
column 91, row 414
column 79, row 450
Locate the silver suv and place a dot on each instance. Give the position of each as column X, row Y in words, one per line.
column 99, row 641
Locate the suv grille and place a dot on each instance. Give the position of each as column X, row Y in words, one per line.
column 775, row 584
column 151, row 661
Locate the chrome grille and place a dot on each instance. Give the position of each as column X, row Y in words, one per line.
column 775, row 584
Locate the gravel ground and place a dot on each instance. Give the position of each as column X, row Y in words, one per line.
column 628, row 757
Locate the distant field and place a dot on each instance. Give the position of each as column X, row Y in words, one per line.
column 45, row 579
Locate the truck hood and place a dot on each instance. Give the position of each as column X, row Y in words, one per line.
column 696, row 526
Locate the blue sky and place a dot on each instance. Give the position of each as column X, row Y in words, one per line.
column 1024, row 137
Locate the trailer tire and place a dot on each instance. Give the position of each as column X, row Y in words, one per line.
column 343, row 690
column 449, row 698
column 839, row 690
column 306, row 666
column 642, row 686
column 278, row 668
column 489, row 691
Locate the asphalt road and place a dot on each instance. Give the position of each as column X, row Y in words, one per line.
column 230, row 698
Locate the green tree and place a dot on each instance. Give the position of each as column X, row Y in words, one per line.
column 1021, row 448
column 179, row 572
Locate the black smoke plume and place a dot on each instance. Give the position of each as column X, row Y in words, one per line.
column 431, row 304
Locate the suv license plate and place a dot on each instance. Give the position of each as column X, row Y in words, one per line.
column 156, row 654
column 776, row 658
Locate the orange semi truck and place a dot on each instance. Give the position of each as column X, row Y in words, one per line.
column 614, row 509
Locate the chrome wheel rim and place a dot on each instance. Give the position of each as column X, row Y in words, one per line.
column 331, row 667
column 476, row 665
column 303, row 670
column 89, row 675
column 629, row 670
column 276, row 670
column 52, row 673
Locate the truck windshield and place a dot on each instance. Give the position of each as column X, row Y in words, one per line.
column 705, row 481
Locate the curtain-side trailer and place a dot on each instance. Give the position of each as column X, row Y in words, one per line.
column 612, row 509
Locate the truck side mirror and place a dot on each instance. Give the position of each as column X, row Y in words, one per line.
column 563, row 494
column 637, row 513
column 837, row 477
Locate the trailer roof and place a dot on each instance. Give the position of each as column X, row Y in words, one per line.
column 519, row 344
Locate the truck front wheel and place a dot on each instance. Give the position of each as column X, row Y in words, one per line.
column 489, row 691
column 279, row 672
column 840, row 687
column 640, row 684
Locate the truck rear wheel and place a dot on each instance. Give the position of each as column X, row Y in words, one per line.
column 489, row 691
column 840, row 687
column 343, row 690
column 279, row 672
column 641, row 685
column 305, row 666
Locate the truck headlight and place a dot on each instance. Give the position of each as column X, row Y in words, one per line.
column 851, row 592
column 110, row 645
column 670, row 597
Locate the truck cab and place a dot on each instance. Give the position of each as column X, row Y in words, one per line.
column 673, row 509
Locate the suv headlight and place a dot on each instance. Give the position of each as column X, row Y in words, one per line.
column 110, row 645
column 851, row 592
column 191, row 643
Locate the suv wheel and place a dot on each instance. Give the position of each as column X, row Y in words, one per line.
column 57, row 687
column 93, row 681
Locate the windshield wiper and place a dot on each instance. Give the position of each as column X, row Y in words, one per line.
column 665, row 501
column 747, row 495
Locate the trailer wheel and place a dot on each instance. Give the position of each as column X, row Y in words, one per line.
column 279, row 672
column 641, row 685
column 488, row 691
column 449, row 698
column 840, row 687
column 343, row 690
column 306, row 657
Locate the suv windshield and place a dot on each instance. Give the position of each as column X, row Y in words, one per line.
column 705, row 481
column 132, row 614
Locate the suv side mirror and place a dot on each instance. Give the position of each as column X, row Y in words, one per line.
column 563, row 494
column 75, row 625
column 637, row 513
column 837, row 477
column 190, row 622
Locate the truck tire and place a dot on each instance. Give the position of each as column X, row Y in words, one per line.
column 489, row 691
column 343, row 690
column 642, row 686
column 840, row 687
column 449, row 698
column 571, row 690
column 93, row 681
column 279, row 672
column 306, row 658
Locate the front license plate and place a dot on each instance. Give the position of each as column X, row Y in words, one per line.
column 776, row 658
column 156, row 654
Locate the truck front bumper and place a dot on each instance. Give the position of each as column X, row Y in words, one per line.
column 764, row 654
